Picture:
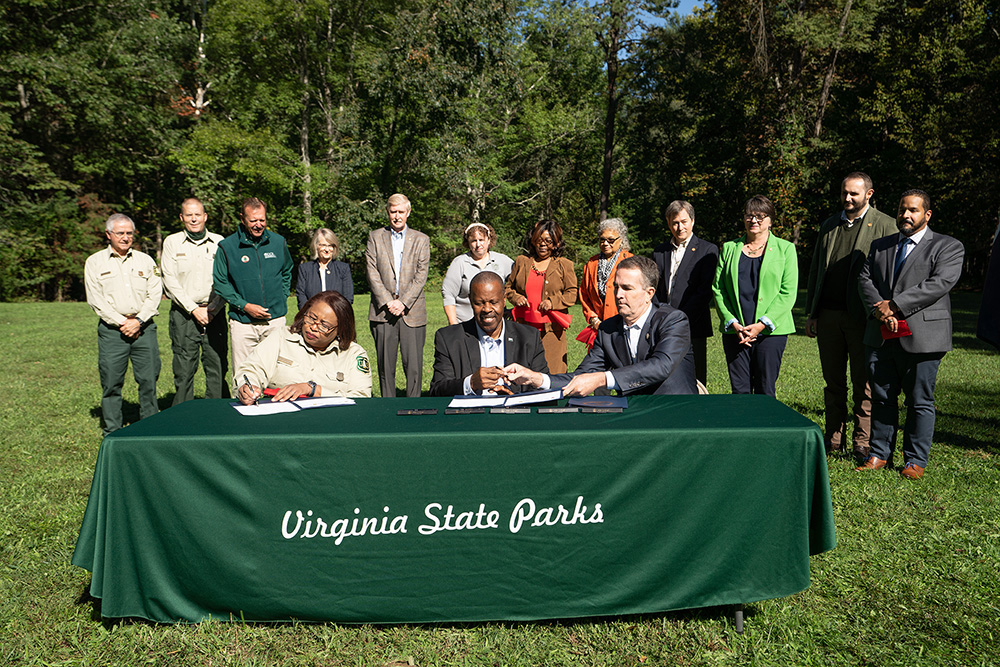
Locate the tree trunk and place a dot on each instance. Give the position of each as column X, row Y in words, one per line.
column 304, row 142
column 824, row 96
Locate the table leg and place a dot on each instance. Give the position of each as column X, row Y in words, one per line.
column 738, row 609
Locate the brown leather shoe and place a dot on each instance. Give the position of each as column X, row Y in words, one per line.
column 911, row 471
column 861, row 453
column 872, row 463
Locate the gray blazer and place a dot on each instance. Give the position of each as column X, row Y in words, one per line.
column 932, row 268
column 408, row 286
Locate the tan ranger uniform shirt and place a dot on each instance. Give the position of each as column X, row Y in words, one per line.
column 119, row 287
column 284, row 358
column 187, row 271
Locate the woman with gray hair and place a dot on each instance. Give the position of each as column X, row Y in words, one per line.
column 323, row 272
column 597, row 292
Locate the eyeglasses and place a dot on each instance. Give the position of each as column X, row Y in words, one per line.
column 326, row 245
column 324, row 327
column 546, row 242
column 121, row 234
column 610, row 240
column 755, row 217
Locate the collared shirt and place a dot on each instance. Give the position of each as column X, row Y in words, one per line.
column 858, row 218
column 187, row 271
column 675, row 261
column 491, row 353
column 119, row 287
column 284, row 358
column 398, row 239
column 916, row 238
column 632, row 335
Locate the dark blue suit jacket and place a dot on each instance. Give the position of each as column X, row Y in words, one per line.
column 664, row 360
column 338, row 279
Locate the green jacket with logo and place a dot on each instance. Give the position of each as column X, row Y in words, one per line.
column 247, row 272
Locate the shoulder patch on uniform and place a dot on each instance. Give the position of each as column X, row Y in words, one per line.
column 363, row 365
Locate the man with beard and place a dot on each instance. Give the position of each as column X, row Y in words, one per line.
column 904, row 285
column 834, row 313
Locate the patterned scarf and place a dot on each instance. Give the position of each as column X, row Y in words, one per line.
column 604, row 267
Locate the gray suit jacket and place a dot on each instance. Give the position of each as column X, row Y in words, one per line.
column 664, row 359
column 408, row 286
column 932, row 268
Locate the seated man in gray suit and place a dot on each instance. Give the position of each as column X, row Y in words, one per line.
column 641, row 350
column 469, row 356
column 907, row 277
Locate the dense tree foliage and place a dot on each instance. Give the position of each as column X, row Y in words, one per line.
column 504, row 111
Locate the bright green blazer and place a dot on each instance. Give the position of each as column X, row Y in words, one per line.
column 779, row 282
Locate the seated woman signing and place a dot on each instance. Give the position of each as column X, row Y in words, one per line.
column 317, row 356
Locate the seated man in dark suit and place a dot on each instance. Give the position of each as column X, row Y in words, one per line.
column 641, row 350
column 469, row 356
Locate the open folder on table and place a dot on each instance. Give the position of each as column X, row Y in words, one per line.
column 275, row 407
column 524, row 398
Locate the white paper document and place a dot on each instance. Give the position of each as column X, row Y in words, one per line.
column 267, row 408
column 476, row 401
column 323, row 402
column 274, row 407
column 526, row 398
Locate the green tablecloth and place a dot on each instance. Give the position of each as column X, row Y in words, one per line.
column 679, row 502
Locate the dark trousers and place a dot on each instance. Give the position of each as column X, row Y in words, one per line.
column 700, row 348
column 113, row 353
column 409, row 341
column 841, row 338
column 188, row 341
column 892, row 369
column 754, row 369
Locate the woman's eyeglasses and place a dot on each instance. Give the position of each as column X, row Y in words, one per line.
column 324, row 327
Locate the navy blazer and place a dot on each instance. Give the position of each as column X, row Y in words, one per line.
column 338, row 279
column 664, row 357
column 931, row 269
column 456, row 354
column 693, row 284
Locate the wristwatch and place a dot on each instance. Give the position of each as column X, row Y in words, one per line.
column 312, row 387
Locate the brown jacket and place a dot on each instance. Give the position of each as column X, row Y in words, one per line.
column 409, row 287
column 560, row 282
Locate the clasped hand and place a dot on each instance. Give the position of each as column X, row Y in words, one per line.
column 490, row 379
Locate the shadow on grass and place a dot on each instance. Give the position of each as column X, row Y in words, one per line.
column 965, row 317
column 726, row 612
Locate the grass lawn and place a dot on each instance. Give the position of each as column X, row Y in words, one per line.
column 914, row 580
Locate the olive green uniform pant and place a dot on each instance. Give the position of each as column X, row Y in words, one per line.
column 188, row 340
column 113, row 353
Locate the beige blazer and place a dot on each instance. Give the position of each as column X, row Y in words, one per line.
column 408, row 287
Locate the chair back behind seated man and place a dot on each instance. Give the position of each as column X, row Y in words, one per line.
column 469, row 357
column 642, row 350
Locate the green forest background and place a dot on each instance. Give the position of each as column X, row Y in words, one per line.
column 504, row 111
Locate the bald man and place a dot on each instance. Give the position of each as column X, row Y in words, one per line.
column 469, row 357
